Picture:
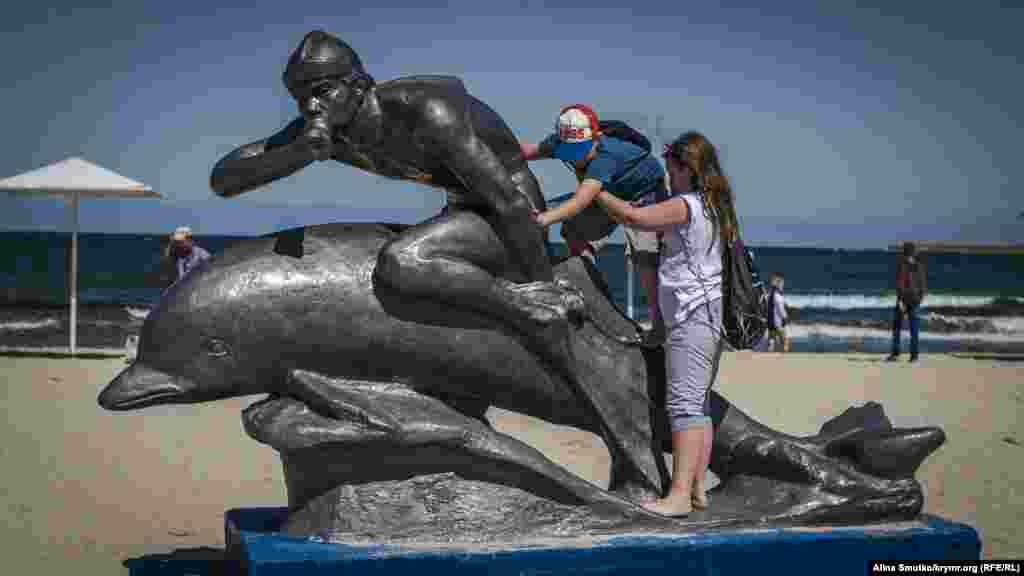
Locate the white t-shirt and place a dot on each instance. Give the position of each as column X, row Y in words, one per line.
column 690, row 273
column 780, row 309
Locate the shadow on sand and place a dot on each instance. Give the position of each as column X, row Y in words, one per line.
column 996, row 357
column 202, row 561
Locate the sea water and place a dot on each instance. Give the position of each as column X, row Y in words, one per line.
column 838, row 300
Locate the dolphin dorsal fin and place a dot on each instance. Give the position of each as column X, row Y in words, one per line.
column 289, row 242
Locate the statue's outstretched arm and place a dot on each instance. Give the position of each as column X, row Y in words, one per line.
column 261, row 162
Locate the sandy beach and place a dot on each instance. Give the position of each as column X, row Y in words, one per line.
column 87, row 491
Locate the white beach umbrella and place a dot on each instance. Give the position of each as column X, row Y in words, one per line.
column 72, row 179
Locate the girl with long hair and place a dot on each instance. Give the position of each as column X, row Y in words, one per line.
column 696, row 220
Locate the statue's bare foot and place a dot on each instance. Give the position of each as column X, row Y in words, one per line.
column 545, row 303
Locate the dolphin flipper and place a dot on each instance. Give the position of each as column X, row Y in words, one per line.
column 289, row 425
column 321, row 410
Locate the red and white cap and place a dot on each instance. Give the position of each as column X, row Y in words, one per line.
column 577, row 126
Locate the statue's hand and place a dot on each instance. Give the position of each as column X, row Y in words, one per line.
column 317, row 136
column 576, row 305
column 544, row 303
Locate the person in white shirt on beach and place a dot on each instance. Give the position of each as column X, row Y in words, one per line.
column 696, row 219
column 777, row 316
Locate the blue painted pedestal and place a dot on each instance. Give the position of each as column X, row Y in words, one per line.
column 254, row 548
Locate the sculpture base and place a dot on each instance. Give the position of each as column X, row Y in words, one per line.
column 255, row 547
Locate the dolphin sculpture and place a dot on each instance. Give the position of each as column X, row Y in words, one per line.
column 365, row 386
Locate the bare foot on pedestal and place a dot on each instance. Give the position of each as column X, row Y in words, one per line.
column 672, row 507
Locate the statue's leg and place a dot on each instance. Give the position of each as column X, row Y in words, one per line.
column 458, row 258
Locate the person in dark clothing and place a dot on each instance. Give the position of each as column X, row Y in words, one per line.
column 911, row 285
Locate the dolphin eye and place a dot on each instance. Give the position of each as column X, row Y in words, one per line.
column 216, row 347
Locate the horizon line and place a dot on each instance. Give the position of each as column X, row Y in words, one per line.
column 924, row 245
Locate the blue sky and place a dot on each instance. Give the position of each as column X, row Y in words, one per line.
column 840, row 125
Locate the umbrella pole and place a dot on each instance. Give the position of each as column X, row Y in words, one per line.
column 74, row 272
column 630, row 311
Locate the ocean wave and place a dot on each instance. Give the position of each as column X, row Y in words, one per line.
column 104, row 323
column 858, row 332
column 137, row 313
column 1001, row 325
column 871, row 301
column 930, row 322
column 25, row 325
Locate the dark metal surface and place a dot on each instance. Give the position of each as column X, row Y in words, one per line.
column 484, row 254
column 376, row 402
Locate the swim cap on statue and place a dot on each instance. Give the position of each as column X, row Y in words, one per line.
column 318, row 55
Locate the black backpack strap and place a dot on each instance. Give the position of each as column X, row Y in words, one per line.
column 622, row 131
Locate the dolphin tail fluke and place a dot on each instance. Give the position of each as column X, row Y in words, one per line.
column 896, row 453
column 865, row 435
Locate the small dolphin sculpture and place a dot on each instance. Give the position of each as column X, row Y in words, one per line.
column 365, row 387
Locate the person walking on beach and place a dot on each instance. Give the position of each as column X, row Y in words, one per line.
column 602, row 162
column 184, row 252
column 696, row 220
column 777, row 316
column 911, row 285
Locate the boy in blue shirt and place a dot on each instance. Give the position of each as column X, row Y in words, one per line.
column 601, row 162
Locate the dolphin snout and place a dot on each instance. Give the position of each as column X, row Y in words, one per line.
column 139, row 385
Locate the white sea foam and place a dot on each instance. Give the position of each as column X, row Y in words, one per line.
column 1014, row 325
column 1000, row 324
column 22, row 325
column 856, row 333
column 99, row 322
column 137, row 313
column 866, row 301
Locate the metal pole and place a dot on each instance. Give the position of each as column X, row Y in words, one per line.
column 74, row 272
column 630, row 311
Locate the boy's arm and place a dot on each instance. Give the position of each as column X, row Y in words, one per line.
column 530, row 151
column 584, row 196
column 543, row 151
